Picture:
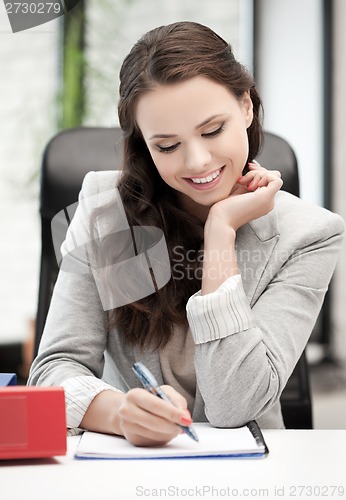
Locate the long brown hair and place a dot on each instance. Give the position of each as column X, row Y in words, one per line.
column 166, row 55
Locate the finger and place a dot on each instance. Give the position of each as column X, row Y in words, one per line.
column 176, row 398
column 135, row 421
column 139, row 436
column 277, row 183
column 256, row 172
column 274, row 173
column 156, row 406
column 264, row 181
column 246, row 179
column 273, row 186
column 143, row 429
column 270, row 176
column 144, row 423
column 266, row 195
column 254, row 165
column 258, row 177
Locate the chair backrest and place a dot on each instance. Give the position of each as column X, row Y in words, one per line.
column 67, row 158
column 277, row 154
column 74, row 152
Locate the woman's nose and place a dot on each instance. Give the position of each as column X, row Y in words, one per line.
column 197, row 157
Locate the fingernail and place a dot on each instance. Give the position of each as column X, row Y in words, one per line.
column 186, row 421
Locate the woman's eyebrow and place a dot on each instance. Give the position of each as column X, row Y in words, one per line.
column 162, row 136
column 200, row 125
column 210, row 119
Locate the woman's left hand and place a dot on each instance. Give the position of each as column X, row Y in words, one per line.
column 256, row 177
column 251, row 197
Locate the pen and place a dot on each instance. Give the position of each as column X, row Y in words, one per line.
column 149, row 382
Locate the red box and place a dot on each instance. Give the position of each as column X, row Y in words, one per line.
column 32, row 422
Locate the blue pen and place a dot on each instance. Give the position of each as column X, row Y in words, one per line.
column 149, row 382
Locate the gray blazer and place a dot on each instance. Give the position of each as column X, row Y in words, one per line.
column 286, row 260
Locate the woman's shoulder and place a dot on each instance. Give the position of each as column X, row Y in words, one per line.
column 97, row 182
column 99, row 203
column 296, row 214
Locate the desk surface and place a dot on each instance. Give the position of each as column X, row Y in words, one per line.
column 301, row 464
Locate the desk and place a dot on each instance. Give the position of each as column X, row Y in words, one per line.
column 301, row 464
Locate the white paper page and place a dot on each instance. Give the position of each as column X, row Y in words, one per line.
column 212, row 441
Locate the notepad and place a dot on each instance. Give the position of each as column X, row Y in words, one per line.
column 243, row 442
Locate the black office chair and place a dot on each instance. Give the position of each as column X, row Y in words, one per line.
column 66, row 160
column 74, row 152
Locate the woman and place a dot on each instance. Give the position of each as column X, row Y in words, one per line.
column 250, row 264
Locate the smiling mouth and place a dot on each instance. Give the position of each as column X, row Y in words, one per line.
column 207, row 179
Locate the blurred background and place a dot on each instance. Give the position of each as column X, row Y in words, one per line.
column 65, row 73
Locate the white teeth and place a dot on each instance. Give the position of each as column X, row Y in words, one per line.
column 203, row 180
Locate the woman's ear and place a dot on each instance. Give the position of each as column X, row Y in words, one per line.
column 247, row 108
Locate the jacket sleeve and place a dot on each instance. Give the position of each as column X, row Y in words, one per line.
column 244, row 356
column 71, row 351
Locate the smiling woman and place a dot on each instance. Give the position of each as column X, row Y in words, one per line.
column 225, row 332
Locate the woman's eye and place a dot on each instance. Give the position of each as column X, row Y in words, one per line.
column 213, row 133
column 168, row 149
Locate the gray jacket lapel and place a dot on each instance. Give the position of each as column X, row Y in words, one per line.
column 254, row 246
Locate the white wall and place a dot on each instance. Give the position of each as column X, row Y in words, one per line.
column 113, row 27
column 290, row 78
column 28, row 83
column 339, row 169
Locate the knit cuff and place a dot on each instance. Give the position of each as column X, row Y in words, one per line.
column 79, row 393
column 219, row 314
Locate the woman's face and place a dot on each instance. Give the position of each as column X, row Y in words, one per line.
column 196, row 134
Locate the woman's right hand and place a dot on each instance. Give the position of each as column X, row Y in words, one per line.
column 146, row 420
